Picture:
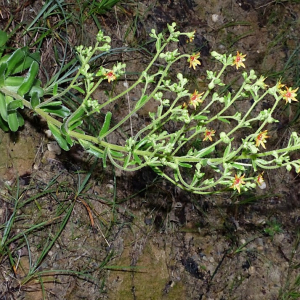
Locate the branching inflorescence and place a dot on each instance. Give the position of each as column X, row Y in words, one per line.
column 223, row 159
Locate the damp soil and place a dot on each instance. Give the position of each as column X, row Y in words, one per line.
column 135, row 236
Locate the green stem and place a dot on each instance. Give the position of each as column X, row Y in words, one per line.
column 208, row 91
column 149, row 97
column 157, row 121
column 204, row 110
column 139, row 80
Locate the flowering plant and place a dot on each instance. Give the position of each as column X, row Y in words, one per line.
column 232, row 141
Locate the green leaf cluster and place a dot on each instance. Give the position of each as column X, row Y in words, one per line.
column 224, row 152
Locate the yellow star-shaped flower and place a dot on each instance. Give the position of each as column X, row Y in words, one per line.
column 238, row 60
column 261, row 139
column 238, row 182
column 193, row 60
column 289, row 95
column 260, row 179
column 195, row 99
column 110, row 75
column 209, row 134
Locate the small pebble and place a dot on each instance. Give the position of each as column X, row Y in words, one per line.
column 54, row 147
column 109, row 187
column 262, row 186
column 48, row 133
column 215, row 18
column 251, row 270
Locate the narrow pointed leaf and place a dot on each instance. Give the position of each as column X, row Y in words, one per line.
column 141, row 102
column 205, row 151
column 3, row 109
column 90, row 148
column 127, row 160
column 66, row 135
column 184, row 165
column 106, row 124
column 27, row 61
column 34, row 100
column 75, row 125
column 3, row 67
column 14, row 60
column 136, row 158
column 14, row 105
column 13, row 83
column 200, row 117
column 58, row 136
column 36, row 56
column 13, row 122
column 55, row 88
column 227, row 151
column 20, row 119
column 60, row 111
column 3, row 125
column 223, row 120
column 3, row 38
column 116, row 153
column 76, row 116
column 29, row 79
column 239, row 167
column 80, row 90
column 53, row 103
